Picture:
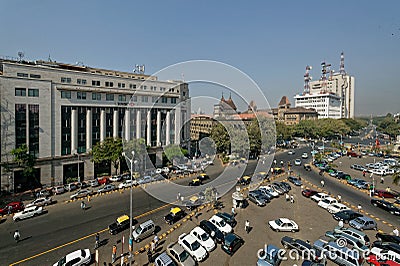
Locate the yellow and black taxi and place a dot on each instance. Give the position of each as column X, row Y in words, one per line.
column 120, row 225
column 203, row 177
column 195, row 182
column 244, row 180
column 193, row 203
column 174, row 215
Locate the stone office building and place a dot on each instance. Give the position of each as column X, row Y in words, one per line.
column 60, row 111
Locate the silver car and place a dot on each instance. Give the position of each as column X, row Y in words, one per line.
column 180, row 255
column 363, row 223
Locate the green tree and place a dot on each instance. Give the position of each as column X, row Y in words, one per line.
column 174, row 152
column 253, row 131
column 221, row 138
column 283, row 132
column 109, row 150
column 25, row 160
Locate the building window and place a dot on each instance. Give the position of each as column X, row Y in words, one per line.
column 20, row 125
column 145, row 99
column 121, row 85
column 81, row 81
column 132, row 86
column 173, row 100
column 65, row 95
column 81, row 95
column 20, row 92
column 122, row 98
column 110, row 97
column 96, row 83
column 143, row 87
column 33, row 92
column 35, row 76
column 164, row 99
column 154, row 99
column 134, row 98
column 65, row 80
column 33, row 129
column 109, row 84
column 96, row 96
column 22, row 75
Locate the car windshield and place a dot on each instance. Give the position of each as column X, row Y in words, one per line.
column 183, row 256
column 83, row 253
column 194, row 246
column 204, row 236
column 326, row 201
column 222, row 223
column 358, row 220
column 278, row 222
column 62, row 261
column 138, row 230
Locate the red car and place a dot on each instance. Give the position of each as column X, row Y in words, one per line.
column 385, row 194
column 309, row 193
column 12, row 207
column 373, row 260
column 103, row 180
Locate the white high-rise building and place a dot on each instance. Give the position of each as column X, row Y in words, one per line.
column 327, row 105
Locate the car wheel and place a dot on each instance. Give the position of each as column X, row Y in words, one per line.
column 293, row 230
column 391, row 212
column 17, row 219
column 137, row 240
column 376, row 205
column 277, row 229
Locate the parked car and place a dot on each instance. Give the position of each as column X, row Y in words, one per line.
column 319, row 196
column 12, row 207
column 127, row 183
column 302, row 247
column 385, row 194
column 349, row 231
column 94, row 183
column 308, row 193
column 232, row 243
column 103, row 180
column 385, row 205
column 28, row 213
column 270, row 191
column 229, row 218
column 363, row 223
column 180, row 255
column 121, row 224
column 270, row 256
column 297, row 162
column 221, row 224
column 283, row 224
column 346, row 216
column 174, row 215
column 164, row 260
column 70, row 187
column 291, row 152
column 295, row 180
column 58, row 190
column 337, row 207
column 106, row 188
column 212, row 230
column 204, row 239
column 388, row 238
column 307, row 167
column 326, row 202
column 40, row 202
column 257, row 199
column 195, row 182
column 387, row 245
column 81, row 194
column 192, row 246
column 115, row 178
column 78, row 257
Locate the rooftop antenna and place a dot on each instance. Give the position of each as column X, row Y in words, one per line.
column 307, row 79
column 21, row 55
column 342, row 71
column 139, row 69
column 49, row 59
column 325, row 69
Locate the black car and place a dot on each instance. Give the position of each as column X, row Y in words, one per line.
column 307, row 167
column 232, row 242
column 295, row 180
column 174, row 215
column 257, row 199
column 286, row 185
column 341, row 175
column 387, row 246
column 263, row 193
column 303, row 247
column 212, row 230
column 228, row 218
column 120, row 225
column 388, row 238
column 346, row 215
column 385, row 205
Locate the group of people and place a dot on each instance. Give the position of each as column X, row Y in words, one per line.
column 289, row 198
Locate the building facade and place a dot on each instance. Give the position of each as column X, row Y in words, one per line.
column 60, row 111
column 327, row 105
column 292, row 116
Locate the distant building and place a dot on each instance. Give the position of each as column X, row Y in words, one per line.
column 292, row 116
column 200, row 126
column 327, row 105
column 225, row 108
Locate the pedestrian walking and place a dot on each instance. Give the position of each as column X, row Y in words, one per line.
column 272, row 171
column 364, row 173
column 156, row 239
column 359, row 207
column 83, row 205
column 149, row 256
column 396, row 231
column 341, row 224
column 97, row 241
column 339, row 198
column 114, row 254
column 382, row 180
column 322, row 183
column 153, row 247
column 17, row 236
column 291, row 199
column 178, row 197
column 247, row 226
column 233, row 211
column 287, row 197
column 275, row 162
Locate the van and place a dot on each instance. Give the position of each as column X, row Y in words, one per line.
column 342, row 255
column 143, row 230
column 361, row 236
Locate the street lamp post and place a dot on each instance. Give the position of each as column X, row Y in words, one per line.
column 132, row 162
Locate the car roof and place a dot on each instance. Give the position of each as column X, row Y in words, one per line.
column 189, row 238
column 74, row 254
column 175, row 210
column 176, row 247
column 198, row 230
column 165, row 259
column 122, row 218
column 285, row 220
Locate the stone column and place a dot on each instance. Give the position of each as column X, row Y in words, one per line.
column 148, row 128
column 102, row 125
column 158, row 129
column 168, row 128
column 74, row 131
column 177, row 124
column 115, row 124
column 127, row 124
column 138, row 124
column 88, row 129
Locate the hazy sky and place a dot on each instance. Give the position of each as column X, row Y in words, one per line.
column 271, row 41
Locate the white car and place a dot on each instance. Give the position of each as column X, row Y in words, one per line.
column 127, row 183
column 319, row 196
column 304, row 155
column 270, row 191
column 40, row 202
column 192, row 246
column 326, row 202
column 165, row 170
column 337, row 207
column 297, row 162
column 159, row 171
column 106, row 188
column 204, row 239
column 291, row 152
column 76, row 258
column 221, row 224
column 28, row 213
column 283, row 224
column 115, row 178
